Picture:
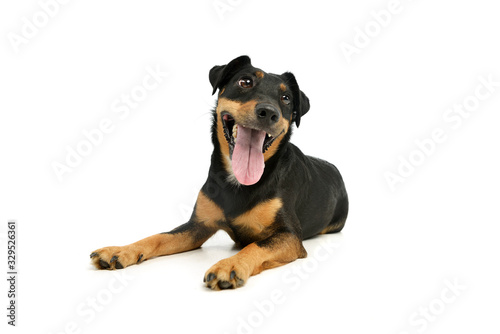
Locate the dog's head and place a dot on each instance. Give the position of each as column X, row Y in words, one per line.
column 254, row 113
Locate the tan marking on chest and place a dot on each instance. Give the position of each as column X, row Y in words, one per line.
column 207, row 211
column 260, row 216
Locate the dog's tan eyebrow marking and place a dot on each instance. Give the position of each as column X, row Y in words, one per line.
column 283, row 87
column 259, row 74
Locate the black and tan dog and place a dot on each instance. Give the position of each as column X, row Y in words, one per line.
column 261, row 189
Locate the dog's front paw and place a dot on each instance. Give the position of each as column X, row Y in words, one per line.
column 115, row 257
column 227, row 274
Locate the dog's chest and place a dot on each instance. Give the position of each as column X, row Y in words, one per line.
column 255, row 223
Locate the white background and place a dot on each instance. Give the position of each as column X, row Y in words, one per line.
column 399, row 247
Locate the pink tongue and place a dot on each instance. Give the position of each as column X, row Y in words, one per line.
column 248, row 160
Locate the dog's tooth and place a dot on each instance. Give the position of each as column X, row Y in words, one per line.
column 235, row 131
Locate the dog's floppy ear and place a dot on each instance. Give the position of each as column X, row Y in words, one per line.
column 220, row 75
column 300, row 101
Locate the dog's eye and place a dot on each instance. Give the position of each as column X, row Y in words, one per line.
column 285, row 99
column 245, row 82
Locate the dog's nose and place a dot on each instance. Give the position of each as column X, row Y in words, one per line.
column 268, row 114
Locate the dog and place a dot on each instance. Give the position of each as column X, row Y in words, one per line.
column 261, row 189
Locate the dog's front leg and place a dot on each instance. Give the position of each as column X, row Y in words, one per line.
column 280, row 248
column 202, row 225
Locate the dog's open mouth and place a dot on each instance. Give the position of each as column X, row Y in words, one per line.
column 246, row 149
column 231, row 133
